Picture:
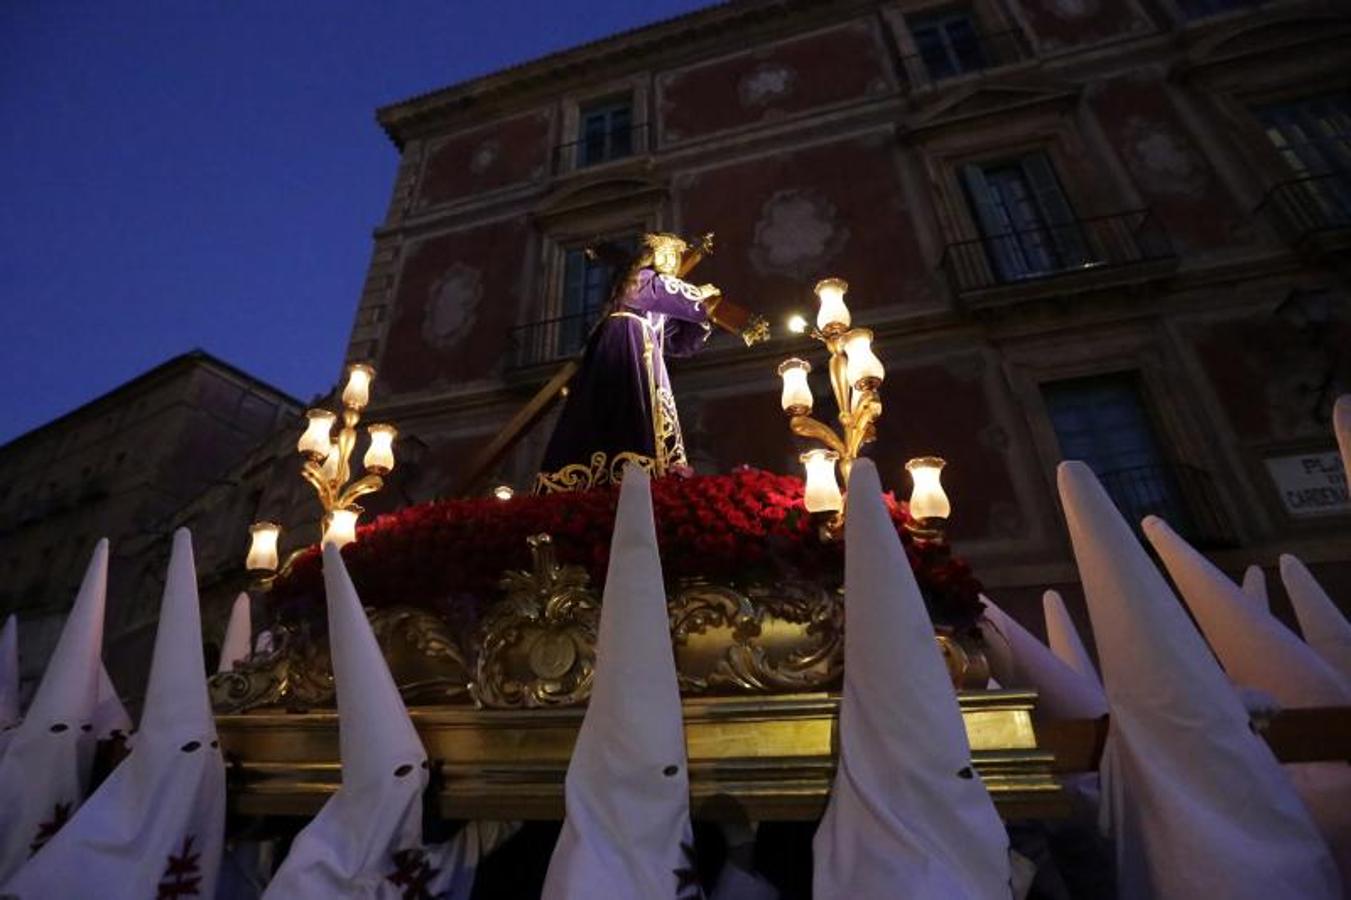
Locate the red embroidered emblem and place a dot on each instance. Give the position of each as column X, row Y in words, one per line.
column 182, row 876
column 60, row 815
column 413, row 873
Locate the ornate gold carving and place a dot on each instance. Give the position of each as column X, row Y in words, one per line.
column 670, row 444
column 602, row 470
column 781, row 639
column 538, row 645
column 427, row 664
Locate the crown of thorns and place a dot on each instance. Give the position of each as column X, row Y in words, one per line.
column 664, row 241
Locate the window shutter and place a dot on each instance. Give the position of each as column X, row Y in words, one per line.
column 1056, row 212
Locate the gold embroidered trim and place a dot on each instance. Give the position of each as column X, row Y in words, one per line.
column 602, row 470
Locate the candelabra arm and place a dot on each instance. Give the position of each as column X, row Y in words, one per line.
column 367, row 484
column 839, row 378
column 314, row 473
column 347, row 441
column 806, row 426
column 860, row 431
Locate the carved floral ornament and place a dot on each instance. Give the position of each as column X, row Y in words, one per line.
column 536, row 646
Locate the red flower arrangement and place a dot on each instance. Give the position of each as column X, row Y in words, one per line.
column 747, row 527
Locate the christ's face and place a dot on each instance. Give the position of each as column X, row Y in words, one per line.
column 666, row 260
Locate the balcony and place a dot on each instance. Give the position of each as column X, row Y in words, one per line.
column 970, row 54
column 1076, row 255
column 600, row 147
column 1182, row 495
column 1313, row 208
column 550, row 340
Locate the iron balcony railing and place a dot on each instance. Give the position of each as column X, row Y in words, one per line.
column 1309, row 205
column 1049, row 250
column 550, row 340
column 602, row 146
column 973, row 53
column 1182, row 495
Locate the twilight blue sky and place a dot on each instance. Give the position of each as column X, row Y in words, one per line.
column 207, row 174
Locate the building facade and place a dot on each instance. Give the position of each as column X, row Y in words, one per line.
column 1115, row 231
column 124, row 466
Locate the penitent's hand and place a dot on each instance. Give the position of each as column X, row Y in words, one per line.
column 708, row 290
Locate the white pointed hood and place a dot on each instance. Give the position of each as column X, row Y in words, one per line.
column 1324, row 627
column 1256, row 650
column 44, row 772
column 157, row 824
column 1255, row 588
column 1063, row 638
column 238, row 638
column 1019, row 659
column 908, row 816
column 626, row 834
column 1341, row 423
column 1196, row 803
column 9, row 672
column 367, row 840
column 110, row 717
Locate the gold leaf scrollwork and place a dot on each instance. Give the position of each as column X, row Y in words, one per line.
column 784, row 638
column 424, row 659
column 538, row 644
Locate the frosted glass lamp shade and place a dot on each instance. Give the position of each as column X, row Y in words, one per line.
column 342, row 527
column 864, row 368
column 504, row 492
column 263, row 547
column 379, row 458
column 822, row 492
column 330, row 468
column 928, row 499
column 357, row 393
column 317, row 440
column 797, row 394
column 832, row 317
column 797, row 324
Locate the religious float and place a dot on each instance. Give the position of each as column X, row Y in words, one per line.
column 486, row 608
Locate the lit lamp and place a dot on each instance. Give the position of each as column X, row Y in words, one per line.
column 822, row 492
column 262, row 556
column 832, row 317
column 797, row 325
column 317, row 440
column 929, row 505
column 864, row 368
column 379, row 457
column 504, row 492
column 797, row 394
column 341, row 528
column 358, row 391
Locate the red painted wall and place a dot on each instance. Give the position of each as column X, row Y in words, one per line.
column 1167, row 166
column 775, row 80
column 787, row 220
column 455, row 306
column 504, row 153
column 1065, row 23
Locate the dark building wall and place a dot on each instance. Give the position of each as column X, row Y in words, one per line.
column 815, row 139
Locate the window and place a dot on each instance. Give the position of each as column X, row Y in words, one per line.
column 1028, row 226
column 1103, row 422
column 605, row 131
column 1313, row 137
column 587, row 282
column 947, row 43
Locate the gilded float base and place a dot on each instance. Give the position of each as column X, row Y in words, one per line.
column 764, row 757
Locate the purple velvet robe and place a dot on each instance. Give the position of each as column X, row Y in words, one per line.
column 620, row 408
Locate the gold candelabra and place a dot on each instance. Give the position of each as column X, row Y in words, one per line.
column 328, row 469
column 855, row 376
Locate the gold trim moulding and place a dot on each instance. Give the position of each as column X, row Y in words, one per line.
column 768, row 757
